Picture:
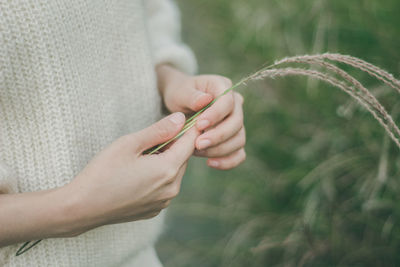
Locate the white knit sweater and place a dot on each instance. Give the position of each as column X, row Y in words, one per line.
column 74, row 76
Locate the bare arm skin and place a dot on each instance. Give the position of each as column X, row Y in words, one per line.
column 36, row 215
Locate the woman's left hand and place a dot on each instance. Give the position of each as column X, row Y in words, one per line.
column 223, row 137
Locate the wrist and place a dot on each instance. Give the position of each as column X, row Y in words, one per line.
column 74, row 216
column 38, row 215
column 167, row 75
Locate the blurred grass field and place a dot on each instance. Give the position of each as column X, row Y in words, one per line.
column 321, row 183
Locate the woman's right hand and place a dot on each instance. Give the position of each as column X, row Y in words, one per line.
column 121, row 184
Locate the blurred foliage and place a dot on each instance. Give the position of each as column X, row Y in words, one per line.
column 320, row 186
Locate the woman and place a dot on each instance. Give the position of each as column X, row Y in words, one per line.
column 79, row 79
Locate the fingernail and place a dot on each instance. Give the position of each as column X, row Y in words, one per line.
column 213, row 163
column 198, row 95
column 204, row 143
column 177, row 118
column 201, row 125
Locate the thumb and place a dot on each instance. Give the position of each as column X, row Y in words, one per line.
column 183, row 148
column 159, row 132
column 194, row 99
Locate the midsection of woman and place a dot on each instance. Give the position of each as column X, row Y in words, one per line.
column 75, row 76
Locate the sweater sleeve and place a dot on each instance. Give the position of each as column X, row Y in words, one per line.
column 163, row 20
column 8, row 182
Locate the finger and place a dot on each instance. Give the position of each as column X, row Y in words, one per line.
column 213, row 84
column 178, row 175
column 165, row 204
column 178, row 181
column 223, row 131
column 189, row 100
column 182, row 149
column 228, row 162
column 216, row 85
column 196, row 99
column 159, row 132
column 172, row 189
column 238, row 97
column 216, row 112
column 233, row 144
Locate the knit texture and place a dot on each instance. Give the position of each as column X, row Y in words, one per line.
column 74, row 76
column 166, row 44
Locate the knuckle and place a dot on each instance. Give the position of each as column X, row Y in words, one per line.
column 225, row 107
column 176, row 189
column 222, row 137
column 172, row 192
column 227, row 81
column 242, row 138
column 170, row 174
column 240, row 119
column 242, row 156
column 239, row 158
column 161, row 131
column 239, row 97
column 231, row 100
column 243, row 143
column 165, row 204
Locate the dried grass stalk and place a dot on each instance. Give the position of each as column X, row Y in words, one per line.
column 345, row 82
column 387, row 122
column 360, row 64
column 365, row 96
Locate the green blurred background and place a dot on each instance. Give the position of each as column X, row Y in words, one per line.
column 321, row 185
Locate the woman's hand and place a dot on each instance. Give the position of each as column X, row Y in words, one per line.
column 121, row 184
column 224, row 137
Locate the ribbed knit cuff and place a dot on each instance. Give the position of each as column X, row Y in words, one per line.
column 164, row 28
column 8, row 182
column 179, row 56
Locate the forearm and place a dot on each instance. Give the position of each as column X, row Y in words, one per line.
column 38, row 215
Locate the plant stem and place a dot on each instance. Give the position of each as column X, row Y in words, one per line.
column 193, row 119
column 184, row 130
